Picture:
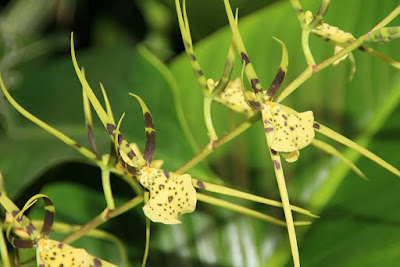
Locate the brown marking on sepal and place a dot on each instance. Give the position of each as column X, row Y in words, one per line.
column 255, row 105
column 200, row 184
column 92, row 141
column 111, row 129
column 298, row 11
column 47, row 202
column 97, row 262
column 47, row 223
column 187, row 44
column 148, row 121
column 273, row 152
column 166, row 173
column 76, row 145
column 131, row 169
column 362, row 48
column 120, row 139
column 254, row 83
column 150, row 147
column 192, row 57
column 277, row 165
column 245, row 58
column 19, row 243
column 276, row 83
column 14, row 213
column 199, row 73
column 316, row 126
column 30, row 228
column 131, row 154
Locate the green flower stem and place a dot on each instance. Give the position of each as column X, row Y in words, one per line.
column 208, row 119
column 231, row 206
column 147, row 247
column 380, row 56
column 103, row 217
column 305, row 34
column 299, row 13
column 210, row 147
column 239, row 194
column 5, row 257
column 306, row 28
column 105, row 179
column 388, row 19
column 280, row 179
column 310, row 70
column 304, row 76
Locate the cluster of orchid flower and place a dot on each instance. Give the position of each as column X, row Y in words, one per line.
column 168, row 194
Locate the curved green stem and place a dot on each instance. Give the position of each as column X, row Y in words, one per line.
column 210, row 147
column 208, row 118
column 103, row 217
column 306, row 47
column 105, row 179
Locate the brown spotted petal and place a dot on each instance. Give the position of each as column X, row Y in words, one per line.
column 54, row 253
column 288, row 132
column 169, row 197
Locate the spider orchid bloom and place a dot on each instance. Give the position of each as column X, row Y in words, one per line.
column 48, row 252
column 170, row 195
column 287, row 133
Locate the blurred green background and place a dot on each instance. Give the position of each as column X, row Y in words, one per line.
column 117, row 44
